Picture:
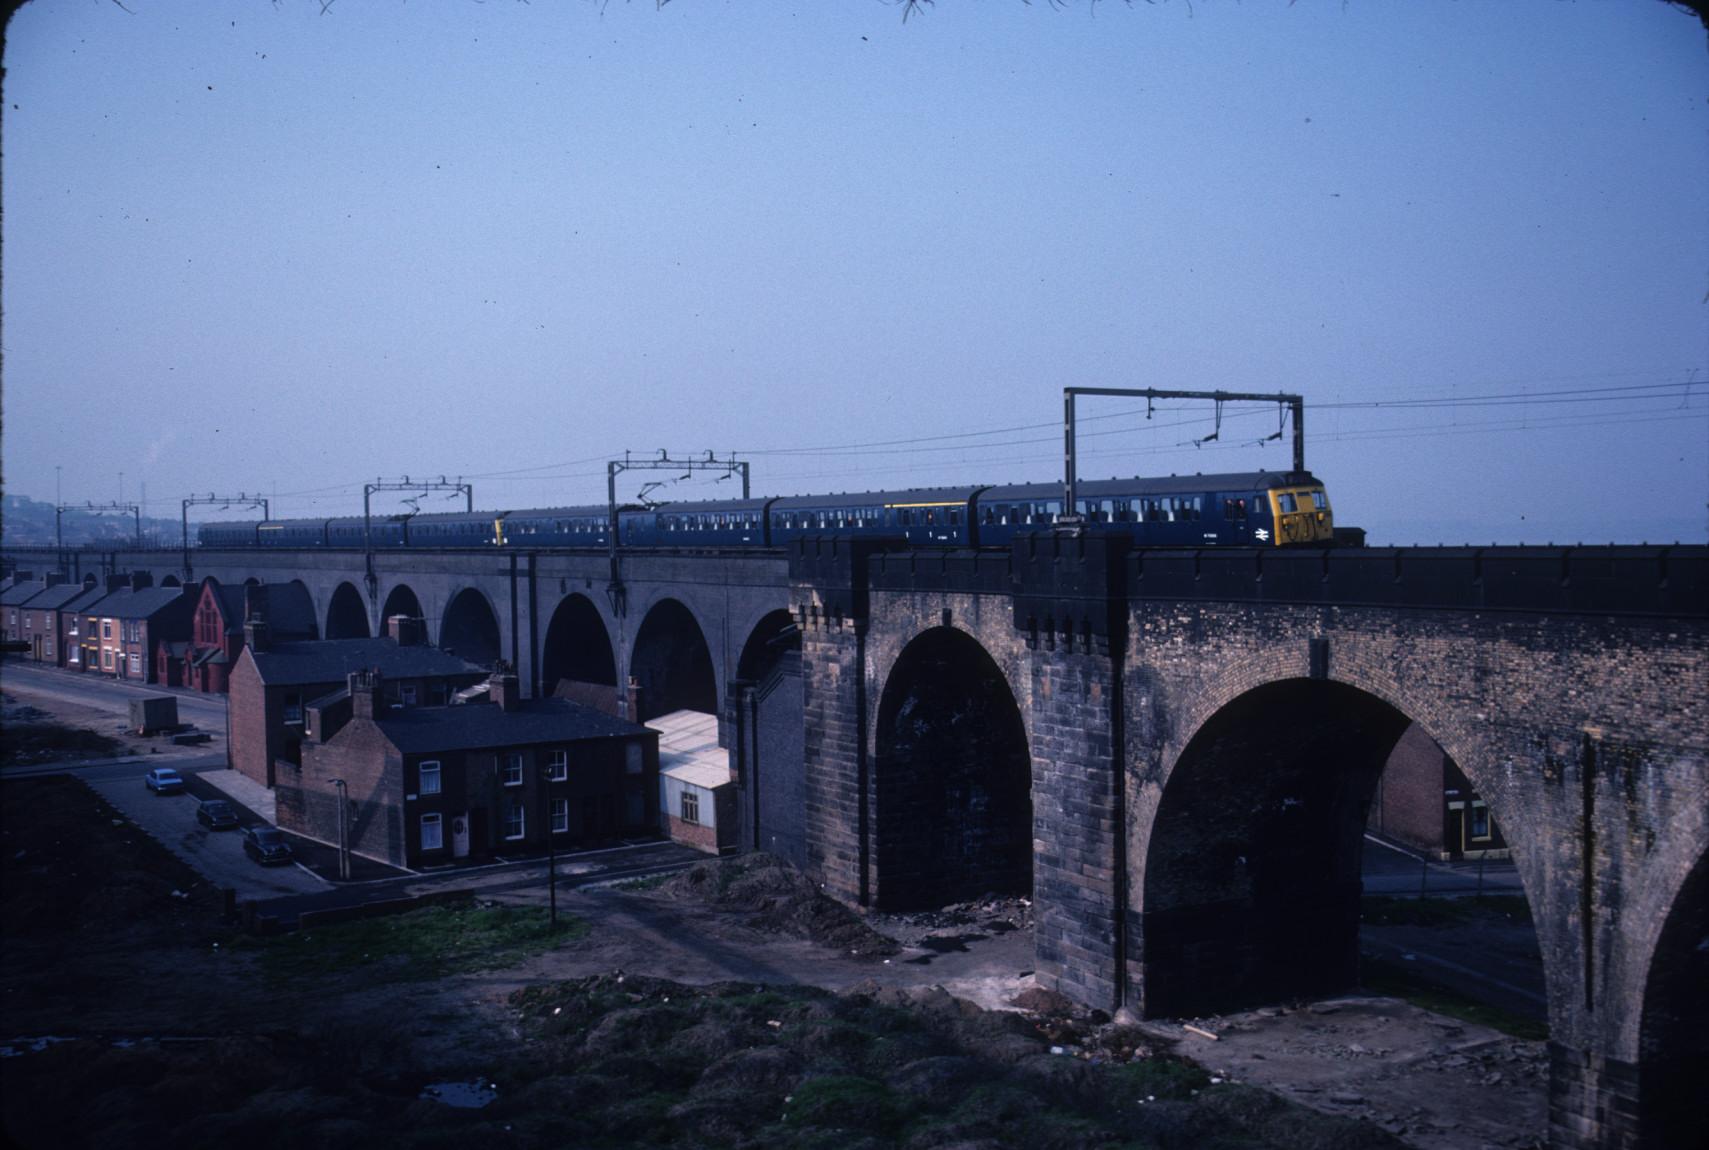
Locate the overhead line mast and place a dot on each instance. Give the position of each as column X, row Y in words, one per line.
column 1294, row 403
column 615, row 591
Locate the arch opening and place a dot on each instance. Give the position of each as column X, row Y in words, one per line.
column 672, row 664
column 171, row 581
column 577, row 661
column 400, row 600
column 769, row 738
column 952, row 778
column 346, row 617
column 1266, row 878
column 1673, row 1039
column 470, row 628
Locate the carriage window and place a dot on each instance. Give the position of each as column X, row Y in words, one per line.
column 1234, row 509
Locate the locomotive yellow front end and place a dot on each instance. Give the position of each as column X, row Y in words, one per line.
column 1301, row 515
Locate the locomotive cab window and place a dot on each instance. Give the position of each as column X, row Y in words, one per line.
column 1286, row 501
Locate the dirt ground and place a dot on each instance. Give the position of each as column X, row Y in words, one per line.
column 129, row 1011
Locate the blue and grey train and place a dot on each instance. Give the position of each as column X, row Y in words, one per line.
column 1258, row 508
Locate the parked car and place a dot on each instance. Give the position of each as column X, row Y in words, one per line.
column 163, row 781
column 266, row 845
column 216, row 814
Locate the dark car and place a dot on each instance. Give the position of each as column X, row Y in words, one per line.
column 266, row 845
column 216, row 814
column 163, row 781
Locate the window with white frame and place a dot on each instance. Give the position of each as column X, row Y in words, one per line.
column 430, row 778
column 560, row 816
column 690, row 806
column 106, row 628
column 558, row 769
column 432, row 833
column 515, row 820
column 106, row 658
column 28, row 621
column 293, row 708
column 408, row 695
column 136, row 664
column 510, row 769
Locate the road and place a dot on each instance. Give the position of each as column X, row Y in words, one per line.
column 207, row 712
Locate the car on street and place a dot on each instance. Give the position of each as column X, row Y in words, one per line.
column 216, row 814
column 163, row 781
column 266, row 845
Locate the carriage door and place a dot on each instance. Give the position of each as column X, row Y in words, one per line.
column 460, row 836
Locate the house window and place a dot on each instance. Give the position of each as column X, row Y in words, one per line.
column 106, row 628
column 27, row 621
column 512, row 769
column 430, row 778
column 11, row 618
column 47, row 646
column 436, row 694
column 408, row 695
column 690, row 806
column 106, row 659
column 559, row 767
column 1480, row 821
column 432, row 833
column 560, row 816
column 515, row 822
column 632, row 759
column 73, row 631
column 293, row 708
column 136, row 664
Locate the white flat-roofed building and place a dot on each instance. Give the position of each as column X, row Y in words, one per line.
column 697, row 794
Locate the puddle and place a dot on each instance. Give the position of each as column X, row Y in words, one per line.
column 19, row 1046
column 463, row 1095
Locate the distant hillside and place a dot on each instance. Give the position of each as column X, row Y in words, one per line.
column 26, row 522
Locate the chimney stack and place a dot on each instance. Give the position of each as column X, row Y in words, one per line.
column 256, row 634
column 141, row 579
column 53, row 579
column 114, row 581
column 364, row 693
column 505, row 689
column 632, row 700
column 406, row 631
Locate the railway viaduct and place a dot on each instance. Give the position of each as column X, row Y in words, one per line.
column 1172, row 751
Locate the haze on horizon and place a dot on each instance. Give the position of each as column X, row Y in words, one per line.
column 287, row 248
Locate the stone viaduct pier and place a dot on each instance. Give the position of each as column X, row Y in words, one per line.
column 1173, row 752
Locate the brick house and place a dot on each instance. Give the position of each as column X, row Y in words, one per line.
column 439, row 784
column 21, row 617
column 272, row 685
column 72, row 625
column 204, row 661
column 42, row 621
column 1424, row 801
column 130, row 624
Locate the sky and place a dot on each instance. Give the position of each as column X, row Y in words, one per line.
column 291, row 247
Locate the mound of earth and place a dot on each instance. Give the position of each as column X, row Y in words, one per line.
column 775, row 897
column 624, row 1056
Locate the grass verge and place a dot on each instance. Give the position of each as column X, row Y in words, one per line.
column 420, row 944
column 1389, row 978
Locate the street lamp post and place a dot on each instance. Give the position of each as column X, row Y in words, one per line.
column 343, row 830
column 551, row 856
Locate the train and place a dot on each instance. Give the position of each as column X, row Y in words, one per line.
column 1255, row 508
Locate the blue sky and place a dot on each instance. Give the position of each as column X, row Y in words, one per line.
column 255, row 246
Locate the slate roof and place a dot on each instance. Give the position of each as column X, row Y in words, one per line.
column 332, row 660
column 56, row 597
column 128, row 604
column 471, row 726
column 82, row 603
column 20, row 593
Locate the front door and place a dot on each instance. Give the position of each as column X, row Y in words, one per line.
column 460, row 836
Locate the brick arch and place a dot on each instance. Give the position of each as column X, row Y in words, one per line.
column 1001, row 644
column 1356, row 713
column 346, row 613
column 470, row 626
column 1673, row 1046
column 671, row 660
column 952, row 776
column 577, row 648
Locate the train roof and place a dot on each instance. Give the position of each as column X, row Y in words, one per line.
column 690, row 507
column 913, row 496
column 1155, row 485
